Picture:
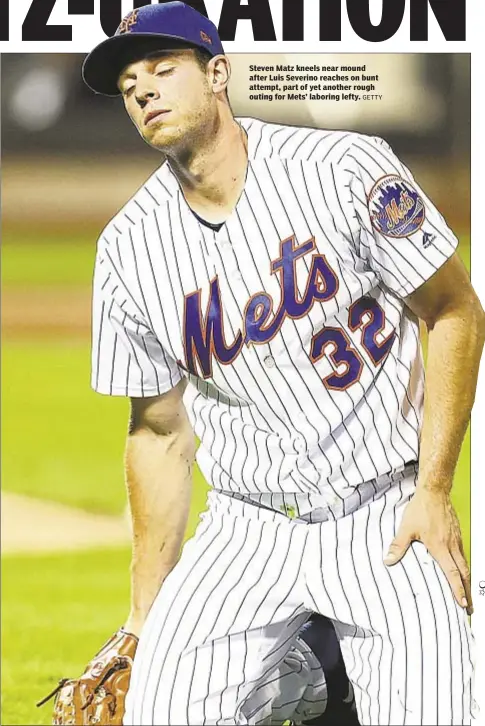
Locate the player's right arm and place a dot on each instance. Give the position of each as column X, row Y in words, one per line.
column 129, row 360
column 160, row 452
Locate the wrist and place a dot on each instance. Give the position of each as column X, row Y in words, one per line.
column 435, row 486
column 435, row 478
column 134, row 623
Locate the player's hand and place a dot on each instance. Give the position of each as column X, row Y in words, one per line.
column 431, row 519
column 98, row 695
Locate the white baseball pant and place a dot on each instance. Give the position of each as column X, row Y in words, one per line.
column 221, row 646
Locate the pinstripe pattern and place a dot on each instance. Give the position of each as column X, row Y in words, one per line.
column 221, row 642
column 267, row 423
column 214, row 610
column 318, row 422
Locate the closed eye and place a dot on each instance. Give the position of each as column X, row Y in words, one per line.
column 165, row 72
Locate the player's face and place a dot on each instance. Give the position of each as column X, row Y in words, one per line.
column 168, row 97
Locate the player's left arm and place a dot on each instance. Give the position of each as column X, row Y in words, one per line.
column 401, row 237
column 455, row 321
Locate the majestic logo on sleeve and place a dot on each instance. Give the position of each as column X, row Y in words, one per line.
column 204, row 333
column 396, row 208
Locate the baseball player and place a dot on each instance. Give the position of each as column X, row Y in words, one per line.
column 263, row 290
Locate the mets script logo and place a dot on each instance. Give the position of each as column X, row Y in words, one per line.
column 127, row 23
column 204, row 334
column 396, row 209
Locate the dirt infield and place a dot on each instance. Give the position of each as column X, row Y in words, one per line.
column 37, row 312
column 31, row 525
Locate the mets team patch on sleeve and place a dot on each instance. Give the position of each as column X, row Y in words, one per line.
column 396, row 209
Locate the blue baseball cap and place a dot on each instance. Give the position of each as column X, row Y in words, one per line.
column 146, row 30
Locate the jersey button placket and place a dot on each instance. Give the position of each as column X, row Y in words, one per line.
column 300, row 445
column 234, row 276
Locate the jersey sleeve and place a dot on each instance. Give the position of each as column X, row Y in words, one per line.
column 396, row 228
column 126, row 357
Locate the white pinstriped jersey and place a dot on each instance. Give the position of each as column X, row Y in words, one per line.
column 306, row 369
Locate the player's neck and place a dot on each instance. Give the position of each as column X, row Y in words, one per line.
column 212, row 180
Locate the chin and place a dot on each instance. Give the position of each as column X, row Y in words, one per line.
column 163, row 138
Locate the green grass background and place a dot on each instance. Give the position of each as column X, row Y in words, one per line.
column 61, row 441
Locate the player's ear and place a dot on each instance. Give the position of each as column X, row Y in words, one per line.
column 220, row 73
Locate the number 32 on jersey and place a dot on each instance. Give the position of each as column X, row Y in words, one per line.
column 333, row 343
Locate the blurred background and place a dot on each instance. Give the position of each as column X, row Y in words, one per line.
column 70, row 160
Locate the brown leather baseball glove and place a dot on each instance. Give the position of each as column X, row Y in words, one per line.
column 98, row 696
